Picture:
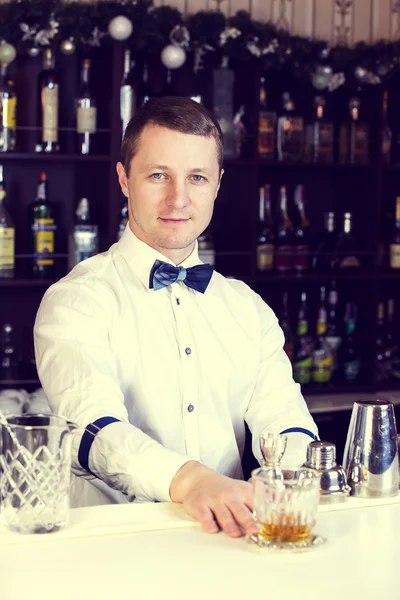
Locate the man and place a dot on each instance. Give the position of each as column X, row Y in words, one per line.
column 164, row 364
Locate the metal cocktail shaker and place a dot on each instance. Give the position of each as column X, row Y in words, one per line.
column 371, row 454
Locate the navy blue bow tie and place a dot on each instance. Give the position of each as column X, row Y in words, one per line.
column 163, row 274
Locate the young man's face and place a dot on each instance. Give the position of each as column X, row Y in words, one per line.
column 173, row 182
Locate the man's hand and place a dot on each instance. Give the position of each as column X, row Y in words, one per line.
column 215, row 500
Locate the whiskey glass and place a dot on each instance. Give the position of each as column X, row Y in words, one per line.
column 285, row 508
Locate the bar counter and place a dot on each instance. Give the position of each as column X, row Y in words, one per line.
column 153, row 551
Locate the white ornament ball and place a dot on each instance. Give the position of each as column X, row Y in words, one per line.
column 173, row 57
column 7, row 53
column 120, row 28
column 68, row 47
column 34, row 52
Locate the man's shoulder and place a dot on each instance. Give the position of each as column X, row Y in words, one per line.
column 234, row 288
column 89, row 276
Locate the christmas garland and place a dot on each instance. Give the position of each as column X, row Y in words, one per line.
column 208, row 36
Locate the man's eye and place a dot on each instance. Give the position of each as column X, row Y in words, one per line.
column 157, row 176
column 198, row 177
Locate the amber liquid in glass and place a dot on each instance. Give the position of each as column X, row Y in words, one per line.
column 285, row 529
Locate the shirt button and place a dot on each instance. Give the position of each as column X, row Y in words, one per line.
column 190, row 408
column 188, row 351
column 178, row 301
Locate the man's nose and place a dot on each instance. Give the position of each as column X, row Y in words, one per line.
column 177, row 194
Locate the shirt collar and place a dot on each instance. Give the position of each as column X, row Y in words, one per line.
column 140, row 256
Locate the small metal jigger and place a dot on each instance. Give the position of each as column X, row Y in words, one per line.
column 272, row 446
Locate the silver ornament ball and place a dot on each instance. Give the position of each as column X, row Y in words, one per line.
column 7, row 53
column 173, row 57
column 321, row 77
column 34, row 52
column 68, row 47
column 120, row 28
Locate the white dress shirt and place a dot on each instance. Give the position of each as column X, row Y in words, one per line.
column 181, row 369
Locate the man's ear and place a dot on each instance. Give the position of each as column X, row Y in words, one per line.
column 122, row 178
column 219, row 182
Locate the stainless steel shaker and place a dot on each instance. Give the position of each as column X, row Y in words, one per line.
column 371, row 453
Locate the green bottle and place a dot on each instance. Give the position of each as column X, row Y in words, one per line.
column 323, row 356
column 303, row 360
column 43, row 224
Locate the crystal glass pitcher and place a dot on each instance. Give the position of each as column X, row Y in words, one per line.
column 35, row 465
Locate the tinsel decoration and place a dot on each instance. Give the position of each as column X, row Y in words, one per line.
column 31, row 26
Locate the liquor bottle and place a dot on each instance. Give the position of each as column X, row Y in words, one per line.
column 266, row 126
column 391, row 343
column 319, row 136
column 345, row 253
column 223, row 80
column 144, row 92
column 322, row 258
column 48, row 105
column 240, row 131
column 7, row 236
column 387, row 134
column 333, row 325
column 123, row 217
column 86, row 112
column 354, row 137
column 43, row 224
column 8, row 108
column 127, row 92
column 287, row 330
column 290, row 132
column 303, row 358
column 302, row 234
column 381, row 357
column 9, row 354
column 84, row 239
column 394, row 251
column 390, row 340
column 349, row 355
column 206, row 247
column 284, row 236
column 266, row 236
column 323, row 356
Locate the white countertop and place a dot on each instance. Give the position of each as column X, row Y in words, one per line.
column 154, row 551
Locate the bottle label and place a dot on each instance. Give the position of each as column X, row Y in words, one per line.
column 301, row 258
column 302, row 371
column 50, row 114
column 290, row 138
column 395, row 256
column 86, row 119
column 43, row 230
column 323, row 365
column 360, row 141
column 85, row 241
column 265, row 257
column 302, row 328
column 9, row 110
column 266, row 136
column 351, row 370
column 349, row 262
column 7, row 247
column 284, row 259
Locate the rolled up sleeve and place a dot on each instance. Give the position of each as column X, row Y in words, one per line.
column 79, row 375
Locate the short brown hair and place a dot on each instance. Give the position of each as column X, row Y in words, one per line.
column 174, row 112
